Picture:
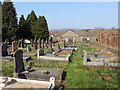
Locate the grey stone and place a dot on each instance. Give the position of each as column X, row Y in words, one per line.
column 35, row 43
column 40, row 52
column 18, row 65
column 29, row 49
column 4, row 49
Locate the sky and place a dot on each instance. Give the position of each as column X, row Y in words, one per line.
column 76, row 15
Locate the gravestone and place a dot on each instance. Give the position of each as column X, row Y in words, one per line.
column 50, row 51
column 84, row 57
column 22, row 43
column 58, row 47
column 64, row 45
column 14, row 46
column 29, row 49
column 18, row 63
column 81, row 51
column 40, row 52
column 19, row 44
column 42, row 41
column 35, row 43
column 4, row 49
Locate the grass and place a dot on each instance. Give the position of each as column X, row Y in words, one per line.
column 78, row 75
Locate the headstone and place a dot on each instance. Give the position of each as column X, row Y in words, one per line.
column 42, row 41
column 29, row 49
column 19, row 44
column 22, row 43
column 32, row 42
column 50, row 51
column 40, row 52
column 19, row 65
column 4, row 50
column 64, row 45
column 35, row 43
column 58, row 47
column 14, row 46
column 84, row 57
column 81, row 51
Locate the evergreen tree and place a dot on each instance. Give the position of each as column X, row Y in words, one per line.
column 0, row 21
column 22, row 32
column 40, row 29
column 9, row 21
column 31, row 18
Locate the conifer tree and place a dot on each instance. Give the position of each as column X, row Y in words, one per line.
column 31, row 18
column 9, row 21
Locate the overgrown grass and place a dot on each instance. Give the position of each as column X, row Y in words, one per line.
column 78, row 75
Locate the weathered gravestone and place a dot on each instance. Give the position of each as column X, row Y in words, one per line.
column 18, row 63
column 64, row 44
column 19, row 44
column 14, row 46
column 50, row 51
column 35, row 43
column 84, row 57
column 4, row 49
column 40, row 52
column 42, row 41
column 22, row 43
column 58, row 47
column 29, row 49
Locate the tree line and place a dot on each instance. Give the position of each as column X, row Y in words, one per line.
column 29, row 28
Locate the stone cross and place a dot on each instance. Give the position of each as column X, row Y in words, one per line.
column 18, row 65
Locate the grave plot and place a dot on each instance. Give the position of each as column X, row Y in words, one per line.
column 98, row 60
column 51, row 57
column 36, row 73
column 8, row 56
column 12, row 83
column 43, row 73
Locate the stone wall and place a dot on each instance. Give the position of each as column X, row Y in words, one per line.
column 109, row 37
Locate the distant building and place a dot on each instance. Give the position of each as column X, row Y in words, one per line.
column 74, row 35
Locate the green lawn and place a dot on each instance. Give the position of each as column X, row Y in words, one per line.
column 78, row 75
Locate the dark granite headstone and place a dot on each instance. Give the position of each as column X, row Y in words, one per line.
column 64, row 45
column 58, row 47
column 50, row 51
column 29, row 49
column 19, row 65
column 4, row 49
column 22, row 43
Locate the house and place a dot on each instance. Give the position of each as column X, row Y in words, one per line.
column 75, row 35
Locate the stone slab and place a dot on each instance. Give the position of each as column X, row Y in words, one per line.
column 54, row 58
column 38, row 73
